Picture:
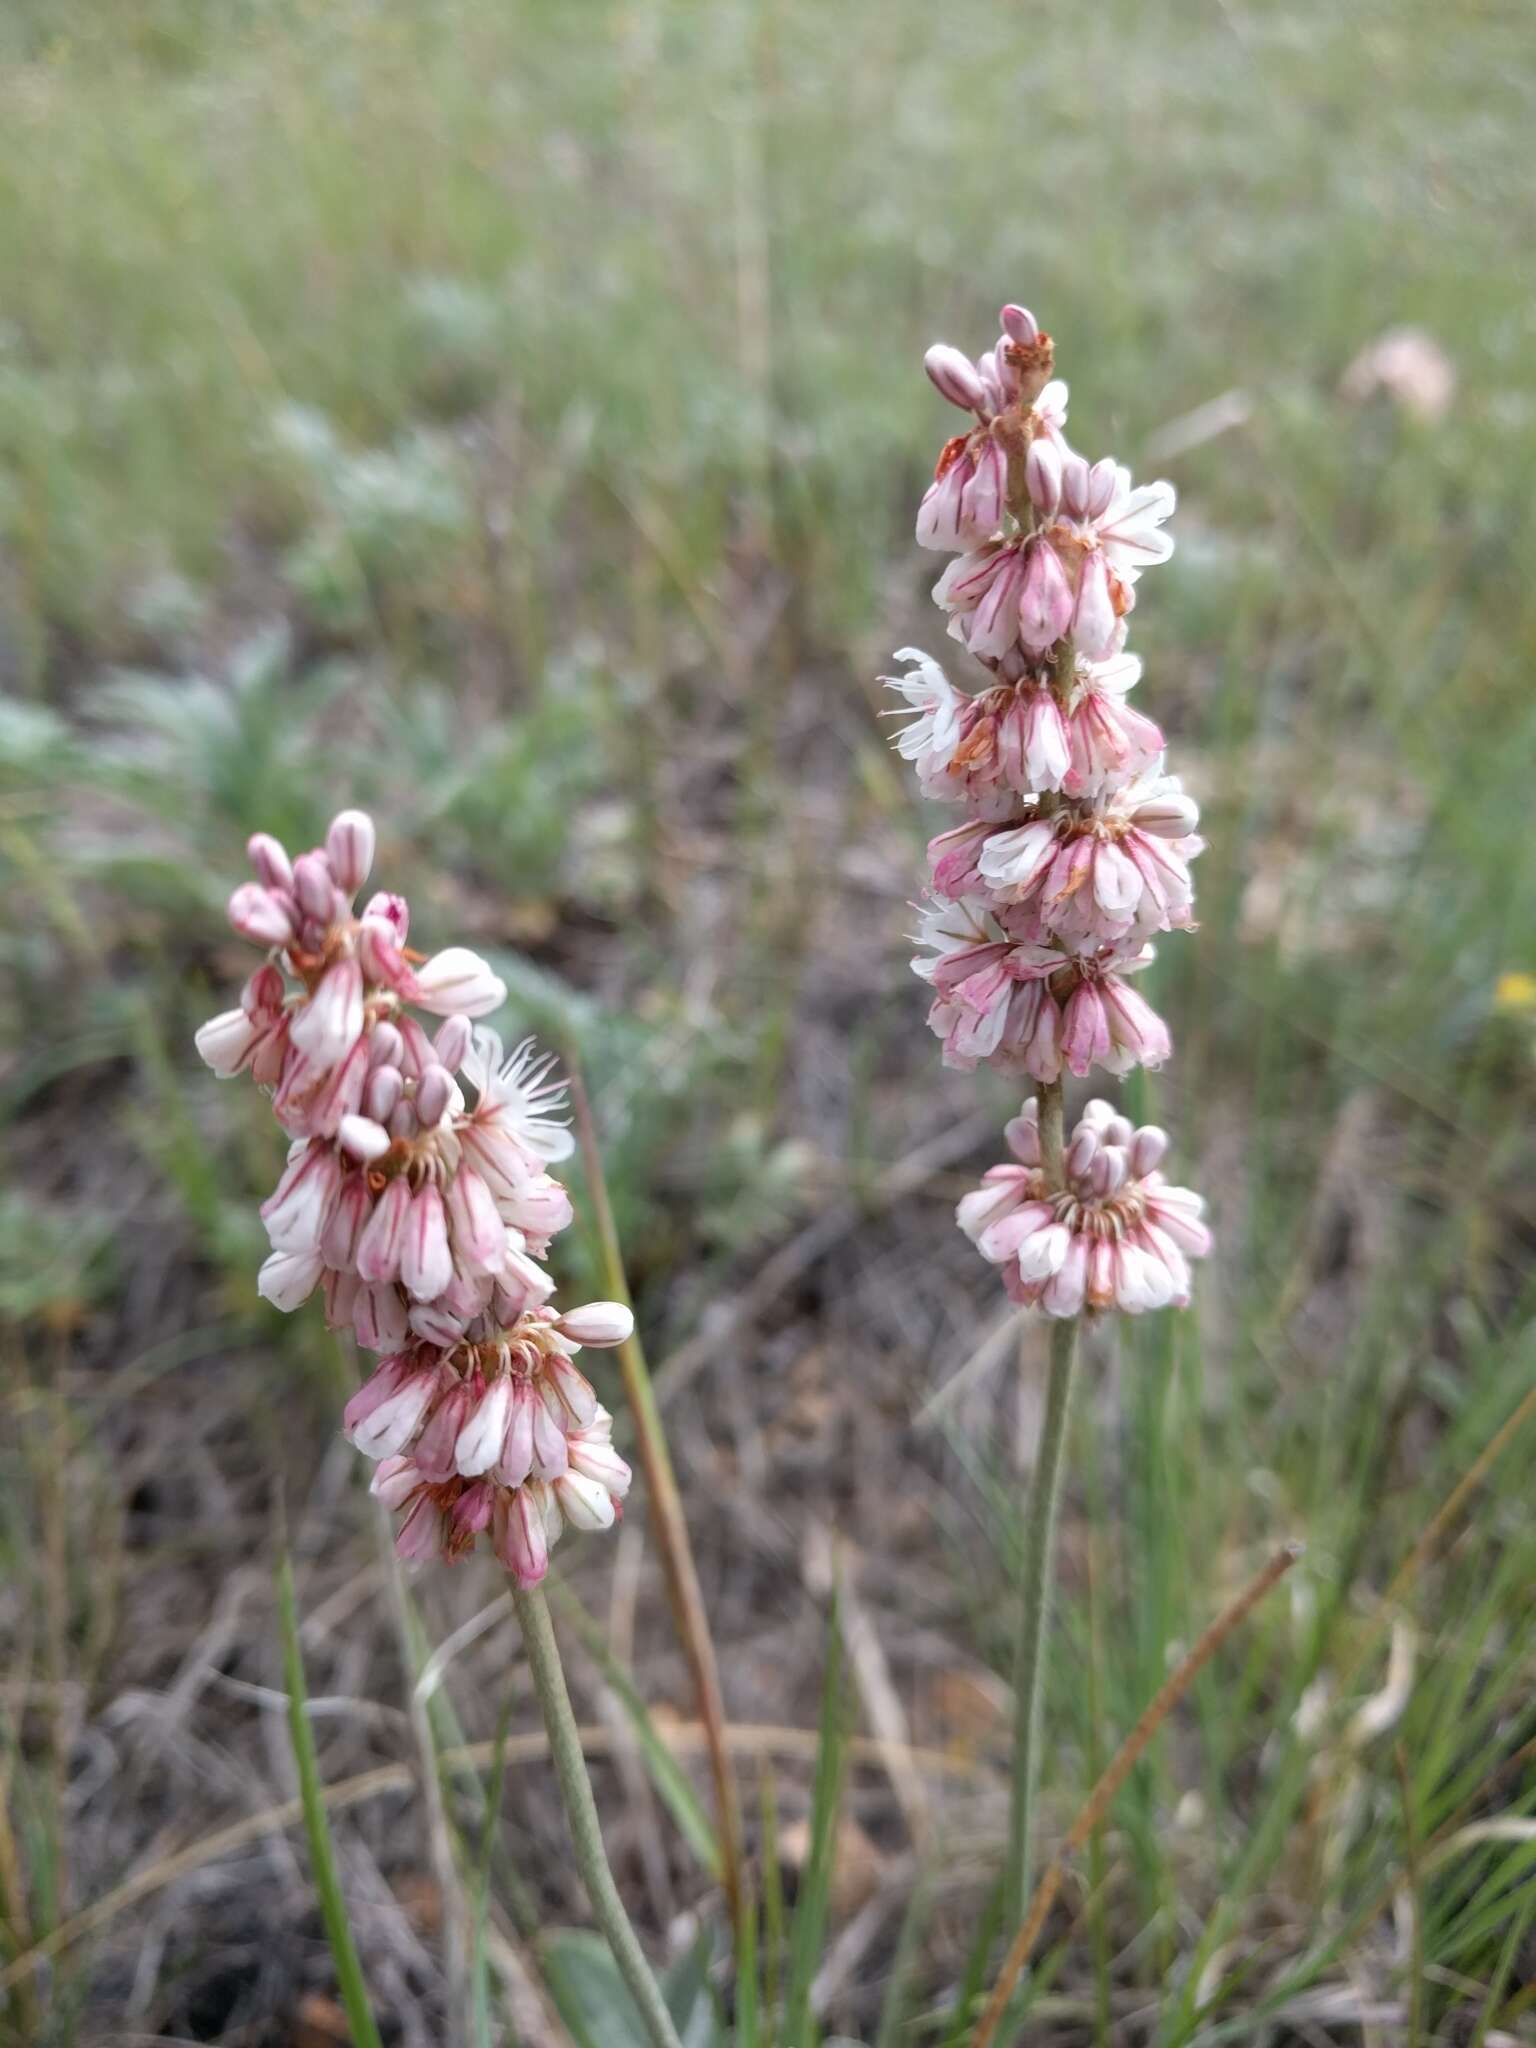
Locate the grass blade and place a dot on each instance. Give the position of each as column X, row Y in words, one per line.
column 914, row 1921
column 747, row 2032
column 810, row 1919
column 773, row 1899
column 333, row 1910
column 479, row 1970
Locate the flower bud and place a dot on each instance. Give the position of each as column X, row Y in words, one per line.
column 394, row 910
column 331, row 1022
column 955, row 376
column 992, row 629
column 1042, row 476
column 1023, row 1136
column 415, row 1048
column 378, row 1319
column 434, row 1322
column 434, row 1092
column 385, row 1087
column 479, row 1235
column 471, row 1512
column 1020, row 325
column 349, row 846
column 270, row 860
column 263, row 995
column 452, row 1042
column 458, row 981
column 386, row 1411
column 478, row 1445
column 993, row 393
column 394, row 1482
column 984, row 499
column 1085, row 1032
column 1101, row 486
column 1082, row 1152
column 426, row 1259
column 362, row 1137
column 593, row 1457
column 519, row 1537
column 379, row 1248
column 385, row 1045
column 1148, row 1147
column 1074, row 487
column 260, row 916
column 585, row 1503
column 383, row 962
column 226, row 1042
column 601, row 1324
column 315, row 887
column 288, row 1279
column 338, row 1243
column 299, row 1207
column 1109, row 1171
column 434, row 1451
column 1094, row 618
column 1170, row 815
column 1043, row 1253
column 1045, row 598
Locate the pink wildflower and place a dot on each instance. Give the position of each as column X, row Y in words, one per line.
column 1117, row 1235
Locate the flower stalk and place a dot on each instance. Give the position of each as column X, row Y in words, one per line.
column 1072, row 852
column 417, row 1197
column 1036, row 1577
column 548, row 1675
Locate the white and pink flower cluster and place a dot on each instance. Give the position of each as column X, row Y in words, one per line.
column 1117, row 1235
column 417, row 1196
column 1075, row 845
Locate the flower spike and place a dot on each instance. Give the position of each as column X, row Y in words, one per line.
column 417, row 1197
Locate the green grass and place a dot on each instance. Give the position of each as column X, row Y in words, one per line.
column 551, row 374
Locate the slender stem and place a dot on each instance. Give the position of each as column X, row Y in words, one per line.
column 1052, row 1134
column 581, row 1813
column 667, row 1520
column 1034, row 1612
column 1126, row 1757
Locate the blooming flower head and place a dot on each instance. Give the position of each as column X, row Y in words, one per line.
column 1071, row 846
column 417, row 1197
column 1100, row 875
column 1116, row 1235
column 502, row 1435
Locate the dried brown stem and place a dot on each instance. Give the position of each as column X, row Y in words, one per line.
column 667, row 1519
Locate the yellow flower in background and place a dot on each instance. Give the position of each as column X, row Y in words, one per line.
column 1515, row 993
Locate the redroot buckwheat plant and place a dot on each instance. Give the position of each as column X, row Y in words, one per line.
column 1074, row 849
column 424, row 1213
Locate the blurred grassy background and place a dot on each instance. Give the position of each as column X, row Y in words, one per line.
column 510, row 417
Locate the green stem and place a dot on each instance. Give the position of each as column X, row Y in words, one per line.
column 1034, row 1614
column 581, row 1814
